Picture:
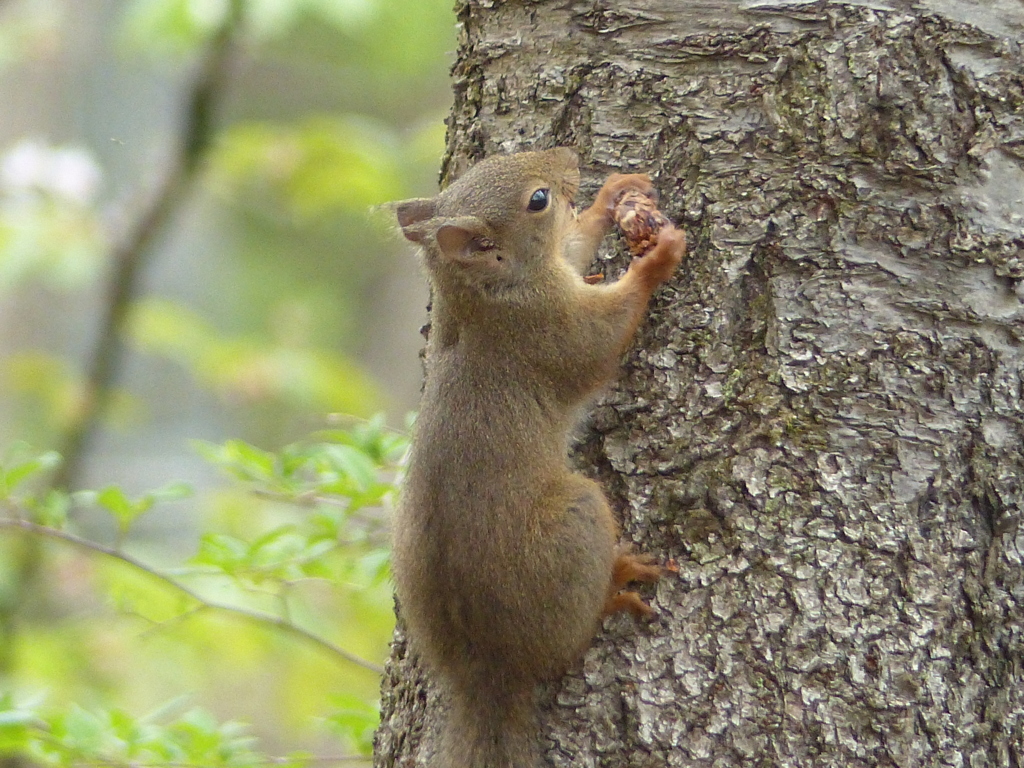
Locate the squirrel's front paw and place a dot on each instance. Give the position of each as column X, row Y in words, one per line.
column 619, row 183
column 661, row 261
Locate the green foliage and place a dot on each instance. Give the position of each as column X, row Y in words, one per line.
column 323, row 164
column 22, row 471
column 177, row 26
column 16, row 725
column 21, row 464
column 394, row 40
column 341, row 462
column 113, row 737
column 255, row 594
column 248, row 369
column 355, row 721
column 125, row 510
column 331, row 489
column 338, row 477
column 280, row 555
column 392, row 36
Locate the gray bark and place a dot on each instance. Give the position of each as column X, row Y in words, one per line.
column 821, row 422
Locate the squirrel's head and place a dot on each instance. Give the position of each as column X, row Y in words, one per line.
column 499, row 220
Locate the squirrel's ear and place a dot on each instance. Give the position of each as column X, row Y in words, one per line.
column 568, row 163
column 411, row 213
column 464, row 238
column 566, row 157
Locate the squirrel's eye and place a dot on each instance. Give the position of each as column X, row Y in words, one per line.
column 539, row 200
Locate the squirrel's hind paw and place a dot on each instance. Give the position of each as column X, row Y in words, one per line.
column 630, row 567
column 628, row 601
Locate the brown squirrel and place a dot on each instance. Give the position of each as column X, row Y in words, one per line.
column 504, row 559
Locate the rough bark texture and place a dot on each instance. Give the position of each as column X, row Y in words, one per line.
column 822, row 421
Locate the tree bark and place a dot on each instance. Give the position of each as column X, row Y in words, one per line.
column 821, row 422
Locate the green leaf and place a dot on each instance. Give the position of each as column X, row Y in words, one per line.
column 375, row 565
column 114, row 500
column 372, row 436
column 15, row 723
column 353, row 464
column 275, row 547
column 79, row 730
column 52, row 510
column 222, row 551
column 244, row 461
column 15, row 717
column 173, row 491
column 355, row 720
column 14, row 474
column 124, row 510
column 76, row 736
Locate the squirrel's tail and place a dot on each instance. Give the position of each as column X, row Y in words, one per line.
column 488, row 728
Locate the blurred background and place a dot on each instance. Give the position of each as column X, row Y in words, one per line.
column 189, row 252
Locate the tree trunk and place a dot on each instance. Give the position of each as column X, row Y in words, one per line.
column 821, row 422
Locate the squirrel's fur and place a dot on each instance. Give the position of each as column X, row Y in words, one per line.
column 504, row 559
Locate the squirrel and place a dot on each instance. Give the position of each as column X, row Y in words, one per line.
column 505, row 560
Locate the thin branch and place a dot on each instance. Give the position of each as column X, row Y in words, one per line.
column 135, row 245
column 155, row 626
column 257, row 617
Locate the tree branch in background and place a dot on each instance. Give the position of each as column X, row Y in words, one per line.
column 256, row 617
column 130, row 252
column 134, row 246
